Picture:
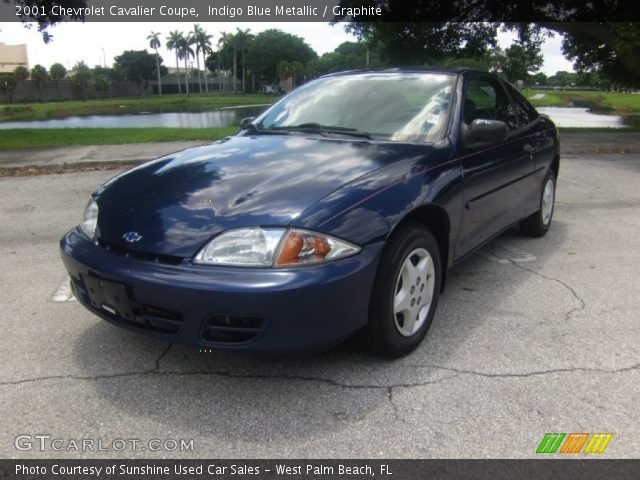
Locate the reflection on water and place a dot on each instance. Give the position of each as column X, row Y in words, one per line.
column 215, row 118
column 562, row 117
column 580, row 117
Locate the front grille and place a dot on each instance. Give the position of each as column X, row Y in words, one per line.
column 148, row 317
column 161, row 320
column 147, row 257
column 233, row 329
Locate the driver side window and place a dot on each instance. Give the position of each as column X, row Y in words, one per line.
column 486, row 99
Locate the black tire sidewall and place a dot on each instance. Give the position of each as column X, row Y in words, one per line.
column 533, row 225
column 383, row 333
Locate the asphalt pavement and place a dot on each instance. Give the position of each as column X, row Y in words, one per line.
column 531, row 336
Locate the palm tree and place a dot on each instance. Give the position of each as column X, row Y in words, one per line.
column 203, row 44
column 173, row 43
column 21, row 73
column 222, row 43
column 242, row 39
column 154, row 42
column 195, row 36
column 206, row 51
column 228, row 40
column 234, row 44
column 81, row 77
column 8, row 84
column 39, row 75
column 185, row 52
column 57, row 72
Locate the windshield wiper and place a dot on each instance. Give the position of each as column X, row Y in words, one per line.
column 354, row 132
column 325, row 129
column 311, row 126
column 252, row 127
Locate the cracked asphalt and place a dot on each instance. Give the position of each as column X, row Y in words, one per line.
column 531, row 336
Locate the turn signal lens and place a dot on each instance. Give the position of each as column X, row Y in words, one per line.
column 291, row 248
column 301, row 247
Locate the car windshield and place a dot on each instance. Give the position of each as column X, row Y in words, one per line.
column 405, row 107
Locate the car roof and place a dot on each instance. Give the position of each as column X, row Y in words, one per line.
column 424, row 69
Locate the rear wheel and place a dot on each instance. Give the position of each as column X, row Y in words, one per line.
column 406, row 292
column 537, row 224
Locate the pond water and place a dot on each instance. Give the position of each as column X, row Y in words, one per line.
column 581, row 117
column 213, row 118
column 562, row 116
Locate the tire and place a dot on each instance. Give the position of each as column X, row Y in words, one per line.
column 411, row 253
column 537, row 224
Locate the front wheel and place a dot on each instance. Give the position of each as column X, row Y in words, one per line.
column 537, row 224
column 405, row 293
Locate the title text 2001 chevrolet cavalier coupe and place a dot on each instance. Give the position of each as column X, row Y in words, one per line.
column 337, row 210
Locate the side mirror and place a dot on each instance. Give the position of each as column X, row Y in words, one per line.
column 487, row 131
column 245, row 122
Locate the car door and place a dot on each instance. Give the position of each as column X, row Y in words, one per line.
column 493, row 173
column 538, row 136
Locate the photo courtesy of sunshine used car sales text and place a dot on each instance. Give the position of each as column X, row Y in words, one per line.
column 310, row 469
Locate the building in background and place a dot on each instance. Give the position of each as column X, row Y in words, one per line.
column 12, row 56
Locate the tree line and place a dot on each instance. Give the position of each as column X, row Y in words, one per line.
column 600, row 37
column 242, row 61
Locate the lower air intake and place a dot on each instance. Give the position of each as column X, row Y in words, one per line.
column 232, row 329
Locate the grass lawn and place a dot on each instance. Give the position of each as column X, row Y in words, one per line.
column 51, row 137
column 57, row 137
column 619, row 103
column 164, row 103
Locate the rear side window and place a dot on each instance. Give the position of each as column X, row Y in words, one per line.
column 523, row 109
column 486, row 99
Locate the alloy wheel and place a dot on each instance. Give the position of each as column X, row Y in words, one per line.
column 413, row 292
column 548, row 199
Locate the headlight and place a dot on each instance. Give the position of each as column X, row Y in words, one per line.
column 245, row 246
column 88, row 225
column 279, row 247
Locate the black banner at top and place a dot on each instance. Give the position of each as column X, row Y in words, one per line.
column 45, row 11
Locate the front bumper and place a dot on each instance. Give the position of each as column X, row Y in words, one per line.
column 227, row 308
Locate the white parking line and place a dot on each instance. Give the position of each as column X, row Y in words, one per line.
column 63, row 293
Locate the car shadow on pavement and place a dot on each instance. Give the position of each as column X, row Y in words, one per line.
column 489, row 320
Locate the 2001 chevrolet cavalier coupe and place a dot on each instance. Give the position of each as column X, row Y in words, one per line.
column 337, row 210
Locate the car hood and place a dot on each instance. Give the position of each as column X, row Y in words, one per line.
column 175, row 204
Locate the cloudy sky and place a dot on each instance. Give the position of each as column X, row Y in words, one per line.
column 96, row 42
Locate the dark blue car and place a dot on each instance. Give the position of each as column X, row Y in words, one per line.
column 338, row 210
